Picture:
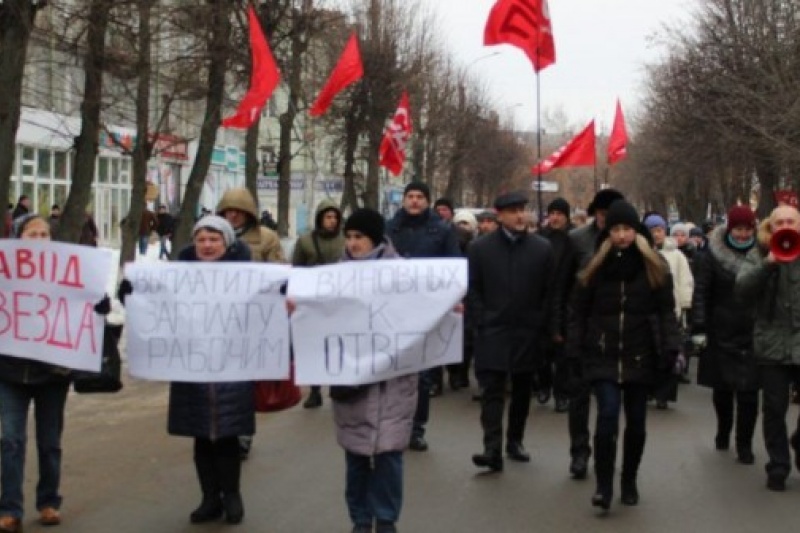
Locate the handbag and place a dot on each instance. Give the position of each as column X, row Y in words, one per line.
column 273, row 396
column 108, row 379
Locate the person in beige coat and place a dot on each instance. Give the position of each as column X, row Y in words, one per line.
column 239, row 207
column 682, row 289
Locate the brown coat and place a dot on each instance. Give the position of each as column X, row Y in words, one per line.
column 265, row 246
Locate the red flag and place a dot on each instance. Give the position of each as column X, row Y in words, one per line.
column 526, row 25
column 393, row 145
column 264, row 78
column 578, row 152
column 348, row 70
column 618, row 142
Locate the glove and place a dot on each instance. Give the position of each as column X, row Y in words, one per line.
column 699, row 340
column 103, row 307
column 125, row 288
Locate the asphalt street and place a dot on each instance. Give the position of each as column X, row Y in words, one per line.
column 123, row 473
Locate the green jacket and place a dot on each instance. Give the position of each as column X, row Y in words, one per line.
column 331, row 244
column 773, row 292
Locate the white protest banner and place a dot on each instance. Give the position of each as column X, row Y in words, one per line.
column 207, row 321
column 47, row 295
column 366, row 321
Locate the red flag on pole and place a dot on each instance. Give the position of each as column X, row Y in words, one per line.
column 526, row 25
column 348, row 70
column 578, row 152
column 264, row 78
column 618, row 142
column 393, row 145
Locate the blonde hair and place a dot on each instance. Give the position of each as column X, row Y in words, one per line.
column 653, row 263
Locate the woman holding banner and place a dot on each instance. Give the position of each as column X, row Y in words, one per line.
column 373, row 422
column 214, row 414
column 23, row 381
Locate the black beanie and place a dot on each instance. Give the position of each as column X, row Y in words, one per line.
column 368, row 222
column 445, row 202
column 418, row 186
column 621, row 212
column 603, row 200
column 560, row 205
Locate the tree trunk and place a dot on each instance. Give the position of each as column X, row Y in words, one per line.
column 144, row 146
column 16, row 21
column 86, row 144
column 252, row 158
column 219, row 51
column 350, row 197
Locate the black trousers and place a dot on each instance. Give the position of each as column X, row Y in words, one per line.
column 553, row 374
column 579, row 436
column 493, row 401
column 776, row 383
column 741, row 404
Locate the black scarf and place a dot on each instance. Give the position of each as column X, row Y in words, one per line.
column 623, row 264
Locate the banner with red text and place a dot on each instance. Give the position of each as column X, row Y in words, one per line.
column 207, row 321
column 48, row 291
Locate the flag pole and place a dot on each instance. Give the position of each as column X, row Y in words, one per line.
column 538, row 145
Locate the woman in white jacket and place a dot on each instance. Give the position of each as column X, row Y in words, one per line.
column 683, row 288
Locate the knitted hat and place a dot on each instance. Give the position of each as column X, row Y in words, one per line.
column 368, row 222
column 603, row 200
column 741, row 215
column 679, row 228
column 560, row 205
column 654, row 221
column 18, row 226
column 466, row 217
column 418, row 186
column 445, row 202
column 486, row 215
column 621, row 212
column 218, row 224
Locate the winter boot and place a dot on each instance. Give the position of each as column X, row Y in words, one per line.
column 632, row 450
column 605, row 454
column 210, row 508
column 314, row 399
column 229, row 470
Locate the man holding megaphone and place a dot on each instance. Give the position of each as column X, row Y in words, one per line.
column 769, row 281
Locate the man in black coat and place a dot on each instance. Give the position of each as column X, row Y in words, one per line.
column 416, row 231
column 510, row 279
column 552, row 374
column 584, row 241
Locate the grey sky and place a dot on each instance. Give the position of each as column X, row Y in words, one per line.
column 601, row 46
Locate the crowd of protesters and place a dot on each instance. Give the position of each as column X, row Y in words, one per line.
column 612, row 308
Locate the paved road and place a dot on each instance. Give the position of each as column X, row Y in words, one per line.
column 122, row 473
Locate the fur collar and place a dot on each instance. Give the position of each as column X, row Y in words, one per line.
column 728, row 258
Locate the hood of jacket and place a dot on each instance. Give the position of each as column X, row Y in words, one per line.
column 241, row 199
column 728, row 258
column 326, row 205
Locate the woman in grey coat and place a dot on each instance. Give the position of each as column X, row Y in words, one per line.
column 373, row 422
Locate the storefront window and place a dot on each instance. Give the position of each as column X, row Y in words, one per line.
column 115, row 171
column 43, row 168
column 27, row 190
column 43, row 198
column 60, row 167
column 102, row 170
column 28, row 154
column 60, row 195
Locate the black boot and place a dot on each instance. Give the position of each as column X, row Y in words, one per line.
column 210, row 508
column 632, row 450
column 229, row 470
column 605, row 454
column 314, row 399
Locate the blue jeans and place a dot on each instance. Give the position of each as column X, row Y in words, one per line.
column 611, row 398
column 48, row 400
column 144, row 242
column 374, row 487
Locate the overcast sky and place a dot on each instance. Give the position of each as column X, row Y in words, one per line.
column 601, row 47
